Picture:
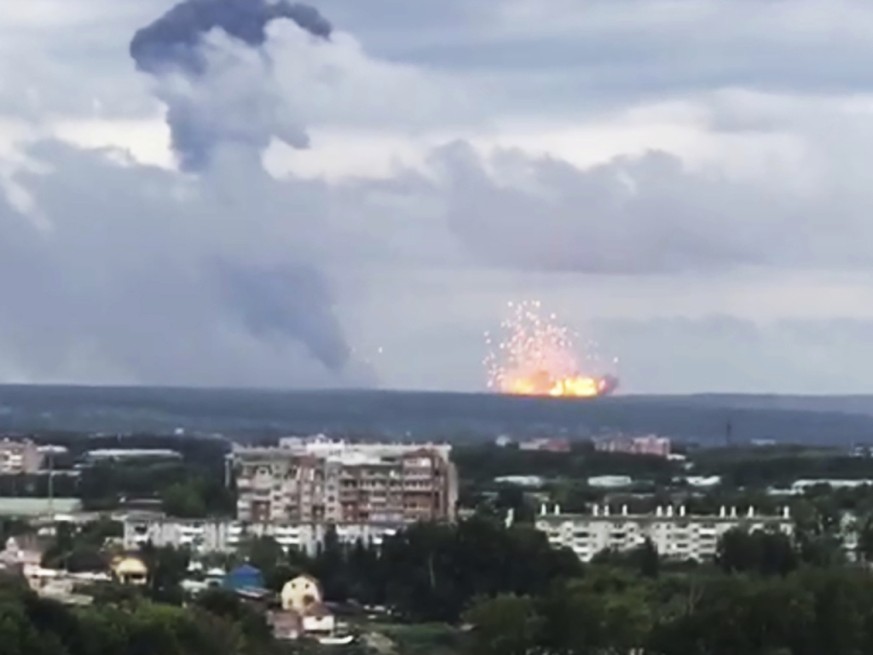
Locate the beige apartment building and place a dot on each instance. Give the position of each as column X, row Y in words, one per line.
column 319, row 481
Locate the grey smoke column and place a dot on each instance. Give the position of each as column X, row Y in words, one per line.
column 292, row 301
column 173, row 40
column 232, row 102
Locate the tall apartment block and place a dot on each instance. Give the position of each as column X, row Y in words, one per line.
column 319, row 481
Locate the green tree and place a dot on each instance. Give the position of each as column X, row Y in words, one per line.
column 504, row 625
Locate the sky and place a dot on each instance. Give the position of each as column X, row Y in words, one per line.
column 349, row 193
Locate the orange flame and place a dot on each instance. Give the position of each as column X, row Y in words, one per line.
column 541, row 384
column 538, row 357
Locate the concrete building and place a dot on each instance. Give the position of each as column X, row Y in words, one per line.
column 319, row 481
column 651, row 445
column 546, row 445
column 674, row 533
column 19, row 457
column 205, row 536
column 115, row 455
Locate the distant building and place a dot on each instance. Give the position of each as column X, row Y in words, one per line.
column 674, row 533
column 699, row 481
column 301, row 592
column 528, row 481
column 129, row 454
column 303, row 597
column 546, row 445
column 320, row 481
column 649, row 445
column 19, row 457
column 130, row 570
column 610, row 481
column 800, row 487
column 244, row 577
column 31, row 508
column 217, row 536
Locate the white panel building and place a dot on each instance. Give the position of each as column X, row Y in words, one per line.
column 673, row 532
column 205, row 536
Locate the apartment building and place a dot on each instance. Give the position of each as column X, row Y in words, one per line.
column 321, row 481
column 19, row 457
column 673, row 532
column 216, row 536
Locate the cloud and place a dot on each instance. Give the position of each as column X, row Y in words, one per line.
column 720, row 353
column 644, row 215
column 113, row 270
column 137, row 274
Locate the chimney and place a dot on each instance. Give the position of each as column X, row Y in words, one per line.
column 624, row 510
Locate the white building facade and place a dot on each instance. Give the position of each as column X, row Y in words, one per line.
column 205, row 536
column 673, row 532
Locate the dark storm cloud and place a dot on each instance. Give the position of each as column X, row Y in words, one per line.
column 173, row 40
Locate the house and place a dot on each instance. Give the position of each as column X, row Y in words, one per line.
column 303, row 597
column 287, row 625
column 300, row 593
column 129, row 569
column 22, row 550
column 317, row 618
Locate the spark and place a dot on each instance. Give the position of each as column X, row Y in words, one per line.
column 538, row 357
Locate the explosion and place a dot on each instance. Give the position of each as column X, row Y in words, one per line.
column 538, row 357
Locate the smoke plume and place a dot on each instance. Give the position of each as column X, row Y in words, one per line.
column 212, row 72
column 292, row 301
column 214, row 99
column 173, row 40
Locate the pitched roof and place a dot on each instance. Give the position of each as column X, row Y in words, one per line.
column 245, row 569
column 306, row 576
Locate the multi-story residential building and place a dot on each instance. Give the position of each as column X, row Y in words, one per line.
column 674, row 533
column 319, row 481
column 19, row 457
column 216, row 536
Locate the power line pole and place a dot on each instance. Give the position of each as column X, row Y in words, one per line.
column 51, row 480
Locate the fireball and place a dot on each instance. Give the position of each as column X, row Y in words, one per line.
column 538, row 357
